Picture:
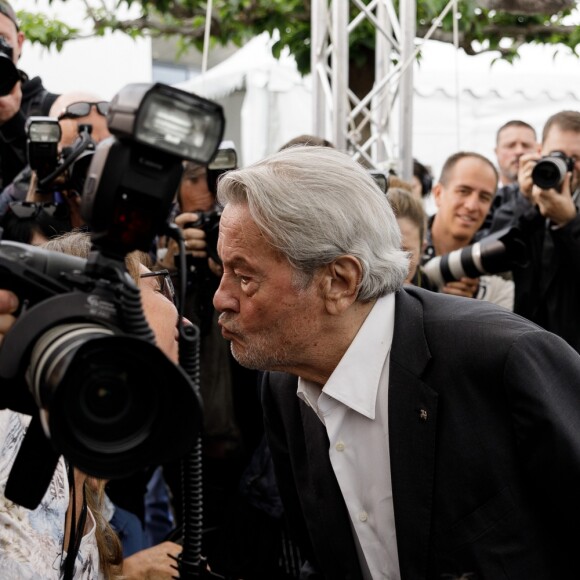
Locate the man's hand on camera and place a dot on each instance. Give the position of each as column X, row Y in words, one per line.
column 8, row 305
column 557, row 206
column 527, row 163
column 10, row 103
column 466, row 287
column 194, row 238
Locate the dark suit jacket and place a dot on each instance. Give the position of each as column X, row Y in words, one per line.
column 484, row 435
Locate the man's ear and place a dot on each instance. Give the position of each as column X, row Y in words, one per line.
column 436, row 191
column 340, row 283
column 20, row 41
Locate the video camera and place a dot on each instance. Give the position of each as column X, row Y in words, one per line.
column 493, row 254
column 81, row 357
column 58, row 171
column 550, row 171
column 9, row 74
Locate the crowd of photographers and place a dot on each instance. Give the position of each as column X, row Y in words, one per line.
column 506, row 235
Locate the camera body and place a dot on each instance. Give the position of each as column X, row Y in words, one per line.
column 58, row 171
column 381, row 179
column 9, row 74
column 209, row 222
column 550, row 171
column 81, row 357
column 225, row 159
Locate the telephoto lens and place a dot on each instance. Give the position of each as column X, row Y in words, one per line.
column 493, row 254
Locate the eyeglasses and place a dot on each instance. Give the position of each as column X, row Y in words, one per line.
column 83, row 108
column 32, row 209
column 165, row 284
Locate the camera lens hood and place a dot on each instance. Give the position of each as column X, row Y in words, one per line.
column 9, row 75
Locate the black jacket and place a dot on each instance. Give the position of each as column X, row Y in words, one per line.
column 547, row 289
column 485, row 479
column 36, row 100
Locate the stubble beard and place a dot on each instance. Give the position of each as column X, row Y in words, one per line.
column 261, row 355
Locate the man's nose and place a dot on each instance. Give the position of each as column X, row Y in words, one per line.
column 472, row 202
column 225, row 299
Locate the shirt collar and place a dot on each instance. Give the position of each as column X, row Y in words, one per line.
column 355, row 380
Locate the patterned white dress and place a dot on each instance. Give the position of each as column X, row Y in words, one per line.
column 31, row 541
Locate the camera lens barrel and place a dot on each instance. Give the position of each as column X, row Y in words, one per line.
column 491, row 255
column 550, row 171
column 9, row 75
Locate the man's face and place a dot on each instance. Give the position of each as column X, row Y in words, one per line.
column 194, row 193
column 70, row 128
column 11, row 36
column 465, row 200
column 512, row 143
column 269, row 322
column 568, row 142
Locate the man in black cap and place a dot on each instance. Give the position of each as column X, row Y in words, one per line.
column 25, row 98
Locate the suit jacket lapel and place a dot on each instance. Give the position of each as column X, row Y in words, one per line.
column 338, row 549
column 412, row 436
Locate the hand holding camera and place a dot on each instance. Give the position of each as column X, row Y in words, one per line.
column 526, row 166
column 552, row 187
column 193, row 235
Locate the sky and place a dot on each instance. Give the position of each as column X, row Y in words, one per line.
column 99, row 65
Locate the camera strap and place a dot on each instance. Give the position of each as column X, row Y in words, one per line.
column 76, row 532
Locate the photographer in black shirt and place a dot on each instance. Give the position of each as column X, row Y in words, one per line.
column 547, row 288
column 20, row 97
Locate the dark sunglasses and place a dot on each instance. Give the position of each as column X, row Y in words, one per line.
column 32, row 209
column 165, row 283
column 83, row 108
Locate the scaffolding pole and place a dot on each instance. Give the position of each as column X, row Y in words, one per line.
column 364, row 127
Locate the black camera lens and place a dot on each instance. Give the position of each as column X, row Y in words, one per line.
column 111, row 406
column 550, row 171
column 110, row 403
column 8, row 75
column 104, row 397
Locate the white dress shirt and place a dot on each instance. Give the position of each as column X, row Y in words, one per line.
column 353, row 406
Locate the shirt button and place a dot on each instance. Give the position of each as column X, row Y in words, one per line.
column 363, row 516
column 340, row 446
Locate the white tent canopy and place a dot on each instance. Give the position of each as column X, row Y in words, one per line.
column 266, row 100
column 460, row 101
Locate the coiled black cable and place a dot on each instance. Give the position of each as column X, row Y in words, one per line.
column 191, row 468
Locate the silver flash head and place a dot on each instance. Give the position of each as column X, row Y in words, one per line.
column 169, row 119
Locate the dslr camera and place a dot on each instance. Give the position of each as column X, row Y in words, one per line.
column 225, row 160
column 550, row 171
column 58, row 171
column 9, row 74
column 80, row 358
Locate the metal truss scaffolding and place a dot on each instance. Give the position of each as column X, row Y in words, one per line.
column 377, row 128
